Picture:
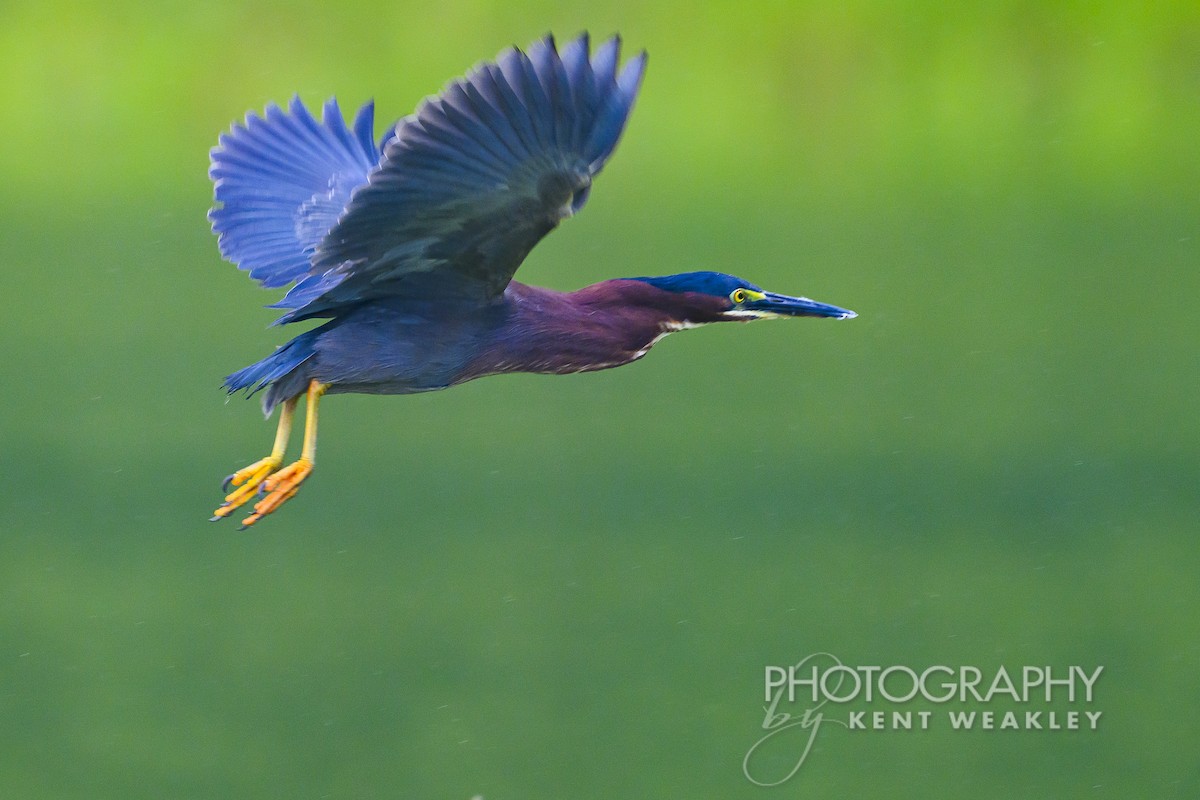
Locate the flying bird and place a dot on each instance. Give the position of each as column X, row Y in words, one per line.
column 408, row 245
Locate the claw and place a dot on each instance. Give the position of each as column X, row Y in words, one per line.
column 247, row 480
column 279, row 487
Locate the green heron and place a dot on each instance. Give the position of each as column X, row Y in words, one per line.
column 408, row 247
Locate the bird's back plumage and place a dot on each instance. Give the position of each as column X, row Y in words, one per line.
column 450, row 203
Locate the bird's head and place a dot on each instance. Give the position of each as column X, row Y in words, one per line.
column 719, row 297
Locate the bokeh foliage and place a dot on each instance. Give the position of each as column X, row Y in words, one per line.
column 534, row 587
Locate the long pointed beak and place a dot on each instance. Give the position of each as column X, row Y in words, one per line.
column 784, row 306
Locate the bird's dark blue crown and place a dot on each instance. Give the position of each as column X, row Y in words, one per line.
column 717, row 284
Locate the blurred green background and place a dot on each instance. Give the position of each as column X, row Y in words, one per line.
column 534, row 587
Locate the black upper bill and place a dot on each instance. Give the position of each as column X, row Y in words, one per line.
column 798, row 307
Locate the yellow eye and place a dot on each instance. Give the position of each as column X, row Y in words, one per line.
column 738, row 296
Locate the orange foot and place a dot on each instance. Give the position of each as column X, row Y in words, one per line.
column 279, row 488
column 247, row 480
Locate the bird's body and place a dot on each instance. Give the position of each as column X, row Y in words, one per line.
column 399, row 346
column 408, row 247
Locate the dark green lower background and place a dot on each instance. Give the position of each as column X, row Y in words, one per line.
column 569, row 587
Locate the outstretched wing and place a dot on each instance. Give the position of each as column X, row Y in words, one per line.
column 282, row 180
column 475, row 178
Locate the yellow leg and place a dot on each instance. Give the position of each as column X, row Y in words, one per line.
column 283, row 485
column 248, row 478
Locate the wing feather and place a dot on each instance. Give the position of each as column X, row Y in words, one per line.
column 450, row 201
column 281, row 181
column 475, row 178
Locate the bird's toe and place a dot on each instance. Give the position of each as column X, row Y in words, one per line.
column 247, row 480
column 278, row 488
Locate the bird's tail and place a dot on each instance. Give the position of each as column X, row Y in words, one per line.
column 278, row 373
